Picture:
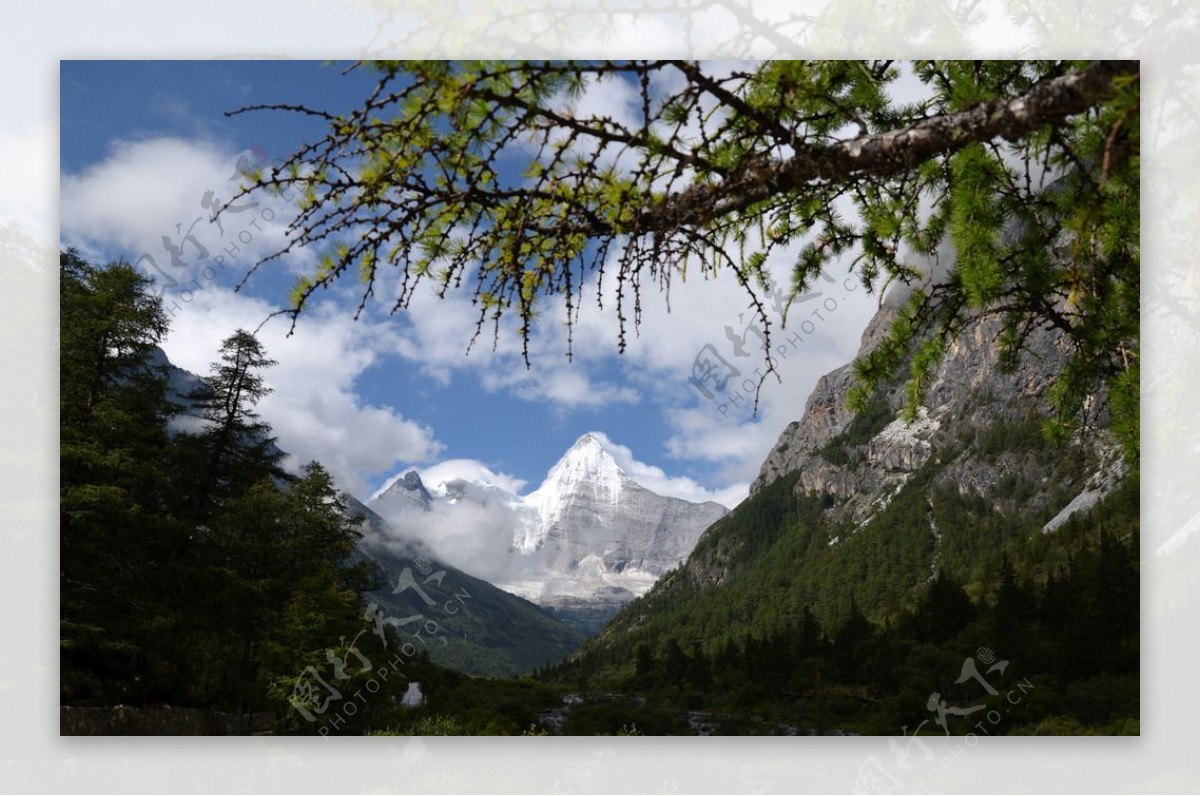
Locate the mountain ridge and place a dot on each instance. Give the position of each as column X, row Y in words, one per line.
column 490, row 632
column 587, row 540
column 860, row 512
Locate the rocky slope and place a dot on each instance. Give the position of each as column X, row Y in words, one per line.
column 406, row 492
column 864, row 509
column 964, row 439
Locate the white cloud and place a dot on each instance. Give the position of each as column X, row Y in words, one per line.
column 138, row 194
column 656, row 479
column 470, row 470
column 150, row 195
column 475, row 537
column 438, row 331
column 315, row 410
column 566, row 386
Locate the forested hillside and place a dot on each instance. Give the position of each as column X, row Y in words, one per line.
column 877, row 553
column 196, row 573
column 801, row 641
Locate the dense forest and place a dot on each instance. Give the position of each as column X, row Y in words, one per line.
column 797, row 646
column 194, row 571
column 1039, row 636
column 197, row 573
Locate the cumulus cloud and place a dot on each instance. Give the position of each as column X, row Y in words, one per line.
column 314, row 409
column 439, row 337
column 470, row 470
column 475, row 535
column 565, row 386
column 156, row 197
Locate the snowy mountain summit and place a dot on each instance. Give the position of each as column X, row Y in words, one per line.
column 587, row 540
column 585, row 475
column 403, row 493
column 599, row 526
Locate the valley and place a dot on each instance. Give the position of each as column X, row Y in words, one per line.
column 887, row 565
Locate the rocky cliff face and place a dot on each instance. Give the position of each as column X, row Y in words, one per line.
column 594, row 517
column 963, row 430
column 404, row 493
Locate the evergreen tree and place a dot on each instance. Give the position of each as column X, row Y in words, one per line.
column 115, row 601
column 193, row 572
column 235, row 449
column 1013, row 616
column 849, row 643
column 675, row 662
column 1117, row 587
column 284, row 583
column 643, row 660
column 943, row 611
column 699, row 668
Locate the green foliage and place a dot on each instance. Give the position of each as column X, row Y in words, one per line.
column 193, row 571
column 487, row 171
column 481, row 630
column 235, row 448
column 113, row 473
column 428, row 725
column 622, row 717
column 804, row 635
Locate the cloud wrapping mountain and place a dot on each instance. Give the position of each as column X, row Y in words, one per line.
column 590, row 534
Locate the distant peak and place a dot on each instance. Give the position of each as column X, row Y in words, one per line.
column 408, row 487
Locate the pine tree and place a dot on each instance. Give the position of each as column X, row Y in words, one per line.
column 236, row 448
column 1014, row 614
column 848, row 645
column 287, row 589
column 114, row 527
column 943, row 611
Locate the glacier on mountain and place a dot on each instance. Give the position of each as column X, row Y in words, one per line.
column 588, row 539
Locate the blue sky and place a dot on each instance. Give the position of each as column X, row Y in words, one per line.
column 142, row 143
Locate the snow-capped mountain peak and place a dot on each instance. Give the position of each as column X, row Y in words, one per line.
column 586, row 469
column 407, row 490
column 589, row 535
